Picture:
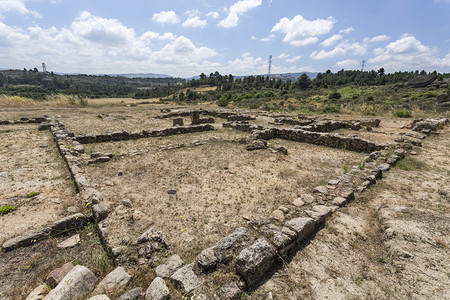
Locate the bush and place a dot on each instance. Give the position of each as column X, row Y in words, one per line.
column 335, row 95
column 330, row 109
column 403, row 114
column 222, row 102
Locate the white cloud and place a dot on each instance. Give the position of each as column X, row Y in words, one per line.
column 379, row 38
column 283, row 55
column 347, row 30
column 253, row 38
column 169, row 17
column 93, row 44
column 293, row 59
column 236, row 10
column 348, row 64
column 268, row 38
column 301, row 32
column 408, row 53
column 195, row 22
column 17, row 6
column 246, row 64
column 102, row 31
column 193, row 13
column 331, row 40
column 340, row 50
column 213, row 15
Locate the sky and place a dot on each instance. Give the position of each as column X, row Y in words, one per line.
column 185, row 38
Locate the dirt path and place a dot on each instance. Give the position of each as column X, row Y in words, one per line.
column 391, row 243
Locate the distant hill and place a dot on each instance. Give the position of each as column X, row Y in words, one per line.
column 141, row 75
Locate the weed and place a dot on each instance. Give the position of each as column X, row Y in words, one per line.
column 244, row 296
column 345, row 169
column 382, row 260
column 32, row 194
column 362, row 165
column 9, row 145
column 6, row 209
column 359, row 280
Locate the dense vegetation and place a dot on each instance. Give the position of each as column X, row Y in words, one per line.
column 39, row 85
column 368, row 92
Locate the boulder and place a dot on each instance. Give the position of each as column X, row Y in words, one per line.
column 254, row 261
column 55, row 276
column 99, row 297
column 26, row 239
column 133, row 294
column 157, row 290
column 114, row 281
column 178, row 122
column 230, row 291
column 257, row 145
column 301, row 226
column 169, row 267
column 421, row 81
column 78, row 283
column 69, row 223
column 100, row 211
column 207, row 260
column 70, row 242
column 38, row 293
column 185, row 279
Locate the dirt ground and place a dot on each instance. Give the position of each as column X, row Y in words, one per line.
column 391, row 243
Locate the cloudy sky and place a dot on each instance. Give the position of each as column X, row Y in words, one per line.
column 185, row 38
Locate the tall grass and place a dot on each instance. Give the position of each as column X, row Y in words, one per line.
column 52, row 100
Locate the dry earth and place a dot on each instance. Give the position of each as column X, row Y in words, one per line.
column 391, row 243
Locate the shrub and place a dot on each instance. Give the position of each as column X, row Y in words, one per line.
column 335, row 95
column 403, row 114
column 222, row 102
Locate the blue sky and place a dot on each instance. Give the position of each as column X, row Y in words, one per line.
column 185, row 38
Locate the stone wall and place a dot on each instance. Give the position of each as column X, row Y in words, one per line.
column 25, row 121
column 300, row 135
column 125, row 135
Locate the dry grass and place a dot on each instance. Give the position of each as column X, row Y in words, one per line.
column 57, row 100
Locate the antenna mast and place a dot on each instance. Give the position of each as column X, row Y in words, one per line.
column 363, row 65
column 44, row 69
column 270, row 65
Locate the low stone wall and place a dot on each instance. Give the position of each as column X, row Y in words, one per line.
column 25, row 121
column 299, row 135
column 125, row 135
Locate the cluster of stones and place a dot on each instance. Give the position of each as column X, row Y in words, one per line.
column 25, row 121
column 334, row 140
column 78, row 282
column 125, row 135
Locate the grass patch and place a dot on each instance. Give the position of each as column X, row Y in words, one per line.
column 6, row 209
column 32, row 194
column 403, row 114
column 410, row 163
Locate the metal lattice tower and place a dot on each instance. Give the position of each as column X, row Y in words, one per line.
column 363, row 65
column 270, row 65
column 44, row 69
